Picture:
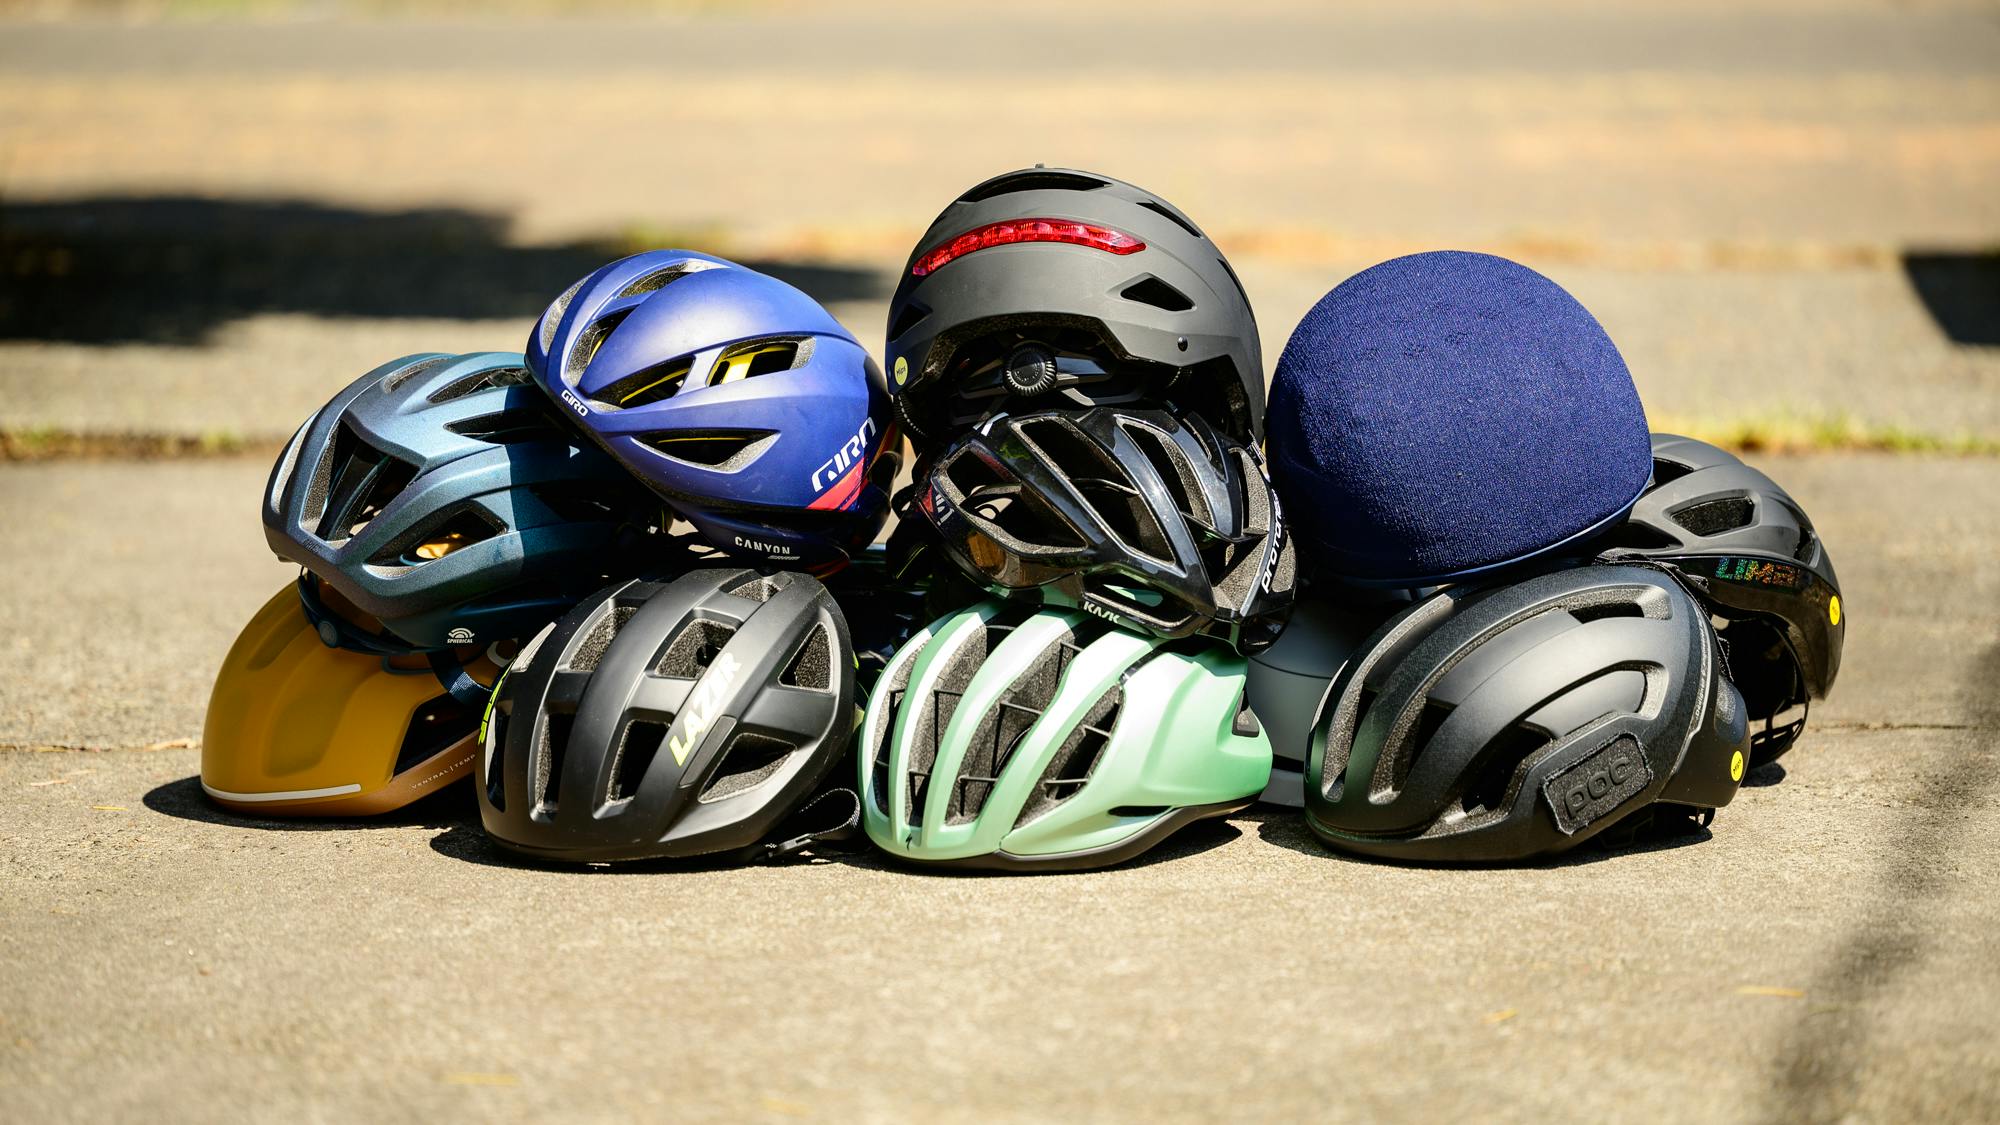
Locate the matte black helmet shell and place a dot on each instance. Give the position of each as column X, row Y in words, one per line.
column 1159, row 523
column 1750, row 552
column 1508, row 722
column 441, row 495
column 1114, row 297
column 668, row 720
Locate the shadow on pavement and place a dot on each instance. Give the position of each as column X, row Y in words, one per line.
column 1961, row 291
column 1770, row 773
column 451, row 808
column 1817, row 1072
column 1287, row 829
column 469, row 843
column 174, row 269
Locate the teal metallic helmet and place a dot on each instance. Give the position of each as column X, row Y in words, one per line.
column 1000, row 737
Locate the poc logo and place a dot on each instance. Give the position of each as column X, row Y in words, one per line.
column 574, row 403
column 844, row 458
column 1581, row 793
column 459, row 635
column 704, row 706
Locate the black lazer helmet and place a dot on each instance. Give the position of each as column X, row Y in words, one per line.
column 1050, row 287
column 669, row 720
column 1507, row 722
column 1156, row 522
column 1748, row 550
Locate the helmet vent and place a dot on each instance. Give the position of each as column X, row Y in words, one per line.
column 1394, row 770
column 1601, row 610
column 1033, row 180
column 440, row 722
column 1070, row 769
column 658, row 279
column 403, row 375
column 1494, row 773
column 760, row 588
column 590, row 340
column 1713, row 517
column 812, row 666
column 750, row 759
column 932, row 720
column 434, row 541
column 1172, row 466
column 1170, row 215
column 486, row 380
column 1103, row 485
column 508, row 427
column 1152, row 291
column 722, row 450
column 556, row 726
column 642, row 741
column 1665, row 471
column 496, row 747
column 646, row 386
column 361, row 481
column 759, row 357
column 1001, row 730
column 1808, row 547
column 552, row 319
column 912, row 314
column 693, row 649
column 591, row 649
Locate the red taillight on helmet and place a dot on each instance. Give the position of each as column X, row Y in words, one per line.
column 1027, row 230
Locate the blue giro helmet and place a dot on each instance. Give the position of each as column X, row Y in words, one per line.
column 734, row 395
column 441, row 496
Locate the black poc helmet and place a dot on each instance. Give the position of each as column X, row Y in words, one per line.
column 1157, row 522
column 1748, row 550
column 1051, row 287
column 668, row 720
column 1508, row 722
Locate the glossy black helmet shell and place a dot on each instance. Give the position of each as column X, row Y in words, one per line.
column 1158, row 522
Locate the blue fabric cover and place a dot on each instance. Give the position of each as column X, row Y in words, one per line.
column 1447, row 413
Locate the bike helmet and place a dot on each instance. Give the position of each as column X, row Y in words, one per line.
column 1748, row 550
column 1000, row 737
column 1153, row 521
column 669, row 720
column 440, row 496
column 1049, row 287
column 734, row 395
column 295, row 728
column 1517, row 721
column 1287, row 681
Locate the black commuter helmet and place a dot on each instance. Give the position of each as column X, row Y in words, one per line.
column 1050, row 287
column 1157, row 522
column 1508, row 722
column 1748, row 551
column 669, row 719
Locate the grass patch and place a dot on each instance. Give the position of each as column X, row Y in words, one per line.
column 48, row 444
column 1831, row 433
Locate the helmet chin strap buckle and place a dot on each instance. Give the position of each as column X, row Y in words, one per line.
column 1031, row 370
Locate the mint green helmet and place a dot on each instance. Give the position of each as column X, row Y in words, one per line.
column 1003, row 738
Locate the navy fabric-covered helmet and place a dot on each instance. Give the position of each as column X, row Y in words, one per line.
column 1446, row 414
column 734, row 395
column 442, row 496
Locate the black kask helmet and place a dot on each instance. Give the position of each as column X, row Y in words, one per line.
column 1509, row 722
column 1157, row 522
column 668, row 720
column 1050, row 287
column 1748, row 551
